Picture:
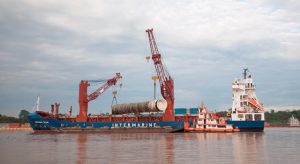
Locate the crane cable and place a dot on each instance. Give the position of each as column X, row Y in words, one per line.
column 114, row 92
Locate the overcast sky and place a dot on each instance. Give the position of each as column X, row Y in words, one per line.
column 48, row 46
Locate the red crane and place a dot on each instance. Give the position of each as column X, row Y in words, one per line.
column 84, row 98
column 165, row 80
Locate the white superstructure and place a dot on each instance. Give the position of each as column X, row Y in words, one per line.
column 293, row 121
column 211, row 121
column 245, row 105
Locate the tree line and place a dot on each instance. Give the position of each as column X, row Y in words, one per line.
column 21, row 119
column 281, row 117
column 272, row 117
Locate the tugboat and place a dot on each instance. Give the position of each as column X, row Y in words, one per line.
column 246, row 114
column 209, row 122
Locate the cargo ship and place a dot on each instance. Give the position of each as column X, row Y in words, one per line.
column 152, row 116
column 149, row 116
column 246, row 114
column 150, row 120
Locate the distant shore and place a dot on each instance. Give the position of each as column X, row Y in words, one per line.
column 31, row 130
column 15, row 129
column 281, row 126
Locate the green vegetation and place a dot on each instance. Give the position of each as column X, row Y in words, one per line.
column 274, row 118
column 281, row 117
column 9, row 119
column 222, row 113
column 23, row 116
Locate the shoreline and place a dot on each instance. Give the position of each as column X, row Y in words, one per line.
column 30, row 129
column 16, row 129
column 280, row 126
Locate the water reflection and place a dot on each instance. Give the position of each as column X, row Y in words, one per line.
column 171, row 148
column 220, row 148
column 140, row 147
column 81, row 148
column 273, row 146
column 168, row 147
column 248, row 147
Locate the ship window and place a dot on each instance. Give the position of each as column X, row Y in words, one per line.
column 248, row 117
column 240, row 115
column 257, row 116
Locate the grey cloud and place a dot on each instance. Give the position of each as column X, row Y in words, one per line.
column 48, row 47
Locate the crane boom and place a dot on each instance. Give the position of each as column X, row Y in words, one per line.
column 104, row 87
column 165, row 80
column 84, row 98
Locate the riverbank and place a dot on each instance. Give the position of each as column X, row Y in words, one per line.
column 282, row 126
column 15, row 129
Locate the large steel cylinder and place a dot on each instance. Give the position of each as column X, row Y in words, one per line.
column 148, row 106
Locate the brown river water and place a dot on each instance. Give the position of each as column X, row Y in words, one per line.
column 274, row 145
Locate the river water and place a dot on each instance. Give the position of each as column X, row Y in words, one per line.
column 274, row 145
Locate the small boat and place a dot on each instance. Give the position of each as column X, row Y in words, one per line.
column 209, row 122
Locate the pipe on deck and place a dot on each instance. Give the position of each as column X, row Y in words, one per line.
column 148, row 106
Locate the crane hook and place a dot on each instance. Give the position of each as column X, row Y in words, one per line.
column 147, row 58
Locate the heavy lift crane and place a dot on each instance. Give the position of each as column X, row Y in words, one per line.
column 84, row 98
column 165, row 80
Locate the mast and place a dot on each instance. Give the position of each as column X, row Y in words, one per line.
column 37, row 105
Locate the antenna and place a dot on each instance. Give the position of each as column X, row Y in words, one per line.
column 37, row 106
column 245, row 72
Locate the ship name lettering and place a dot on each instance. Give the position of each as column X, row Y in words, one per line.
column 133, row 125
